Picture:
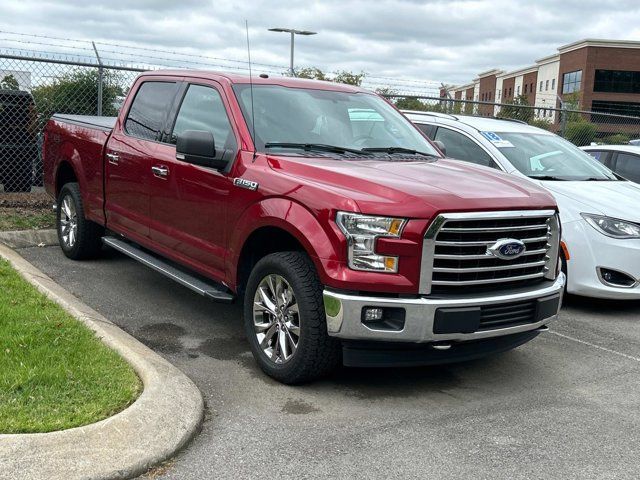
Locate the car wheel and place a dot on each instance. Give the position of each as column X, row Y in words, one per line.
column 285, row 321
column 79, row 238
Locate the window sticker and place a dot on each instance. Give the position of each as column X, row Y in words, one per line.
column 496, row 140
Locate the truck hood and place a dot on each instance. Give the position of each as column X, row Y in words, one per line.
column 619, row 199
column 416, row 189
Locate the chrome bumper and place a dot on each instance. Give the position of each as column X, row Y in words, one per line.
column 344, row 314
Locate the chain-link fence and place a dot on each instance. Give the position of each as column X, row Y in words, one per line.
column 31, row 90
column 578, row 126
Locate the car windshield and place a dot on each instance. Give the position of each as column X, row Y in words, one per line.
column 548, row 157
column 304, row 116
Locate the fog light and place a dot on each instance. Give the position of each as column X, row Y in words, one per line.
column 372, row 314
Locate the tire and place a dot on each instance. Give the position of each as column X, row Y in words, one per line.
column 79, row 238
column 316, row 353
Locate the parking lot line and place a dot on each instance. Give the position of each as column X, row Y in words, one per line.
column 629, row 357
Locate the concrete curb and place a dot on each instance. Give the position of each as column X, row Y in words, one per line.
column 163, row 419
column 29, row 238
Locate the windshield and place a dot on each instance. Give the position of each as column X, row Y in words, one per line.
column 308, row 116
column 549, row 157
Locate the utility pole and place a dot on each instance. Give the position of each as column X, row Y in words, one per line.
column 293, row 33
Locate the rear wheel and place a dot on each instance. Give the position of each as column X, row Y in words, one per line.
column 79, row 238
column 285, row 321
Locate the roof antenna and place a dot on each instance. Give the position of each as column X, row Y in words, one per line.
column 253, row 115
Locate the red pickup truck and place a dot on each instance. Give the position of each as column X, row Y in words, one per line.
column 347, row 235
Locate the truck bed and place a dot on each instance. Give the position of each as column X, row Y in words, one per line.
column 92, row 121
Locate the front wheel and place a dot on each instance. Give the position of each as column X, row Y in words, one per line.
column 285, row 321
column 79, row 238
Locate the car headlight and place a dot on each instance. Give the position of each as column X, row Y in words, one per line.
column 361, row 232
column 612, row 227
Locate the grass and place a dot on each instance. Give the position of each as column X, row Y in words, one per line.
column 12, row 219
column 54, row 372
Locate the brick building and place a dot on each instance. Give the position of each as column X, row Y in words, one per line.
column 604, row 76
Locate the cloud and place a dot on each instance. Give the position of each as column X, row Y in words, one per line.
column 438, row 41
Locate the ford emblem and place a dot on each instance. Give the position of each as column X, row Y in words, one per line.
column 507, row 248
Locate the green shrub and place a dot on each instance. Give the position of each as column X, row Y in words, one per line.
column 617, row 139
column 541, row 123
column 580, row 133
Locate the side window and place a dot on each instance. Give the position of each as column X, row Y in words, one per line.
column 428, row 130
column 598, row 155
column 628, row 166
column 463, row 148
column 202, row 109
column 147, row 113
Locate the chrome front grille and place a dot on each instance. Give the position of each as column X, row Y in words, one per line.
column 455, row 256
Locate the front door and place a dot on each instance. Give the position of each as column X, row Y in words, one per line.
column 189, row 202
column 129, row 155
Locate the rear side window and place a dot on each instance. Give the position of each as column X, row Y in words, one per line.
column 202, row 109
column 463, row 148
column 628, row 166
column 148, row 110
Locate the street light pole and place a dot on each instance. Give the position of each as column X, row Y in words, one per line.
column 293, row 33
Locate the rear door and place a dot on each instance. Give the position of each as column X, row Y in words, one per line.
column 189, row 202
column 130, row 154
column 627, row 165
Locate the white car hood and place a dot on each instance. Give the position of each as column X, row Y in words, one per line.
column 617, row 199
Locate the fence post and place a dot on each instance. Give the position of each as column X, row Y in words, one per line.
column 100, row 79
column 563, row 118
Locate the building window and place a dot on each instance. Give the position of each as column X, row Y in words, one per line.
column 617, row 81
column 518, row 90
column 526, row 88
column 546, row 85
column 617, row 108
column 499, row 91
column 572, row 81
column 540, row 85
column 553, row 84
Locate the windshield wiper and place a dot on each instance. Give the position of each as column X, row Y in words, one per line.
column 318, row 147
column 594, row 179
column 547, row 177
column 397, row 150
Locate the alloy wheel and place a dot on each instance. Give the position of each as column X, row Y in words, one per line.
column 276, row 318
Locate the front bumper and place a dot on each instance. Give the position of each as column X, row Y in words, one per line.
column 345, row 321
column 590, row 250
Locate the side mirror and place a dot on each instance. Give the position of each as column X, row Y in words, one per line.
column 441, row 146
column 199, row 148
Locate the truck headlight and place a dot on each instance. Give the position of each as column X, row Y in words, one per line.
column 612, row 227
column 361, row 232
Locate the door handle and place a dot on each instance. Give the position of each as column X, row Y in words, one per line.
column 160, row 171
column 113, row 158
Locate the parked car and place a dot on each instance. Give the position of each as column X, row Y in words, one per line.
column 19, row 150
column 622, row 159
column 598, row 209
column 341, row 228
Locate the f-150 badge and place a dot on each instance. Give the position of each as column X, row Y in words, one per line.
column 248, row 184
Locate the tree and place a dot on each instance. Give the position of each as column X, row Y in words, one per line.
column 312, row 73
column 517, row 109
column 349, row 78
column 77, row 93
column 9, row 82
column 341, row 76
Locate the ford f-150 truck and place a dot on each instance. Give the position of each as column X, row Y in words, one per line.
column 340, row 226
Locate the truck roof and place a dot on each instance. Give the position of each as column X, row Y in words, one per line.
column 233, row 78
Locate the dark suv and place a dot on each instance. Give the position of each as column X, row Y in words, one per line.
column 18, row 140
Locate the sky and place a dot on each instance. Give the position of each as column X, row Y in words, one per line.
column 420, row 43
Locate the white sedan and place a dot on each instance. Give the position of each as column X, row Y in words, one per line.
column 599, row 210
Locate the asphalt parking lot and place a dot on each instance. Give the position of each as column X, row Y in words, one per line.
column 566, row 405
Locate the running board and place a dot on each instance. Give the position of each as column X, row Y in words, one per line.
column 205, row 289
